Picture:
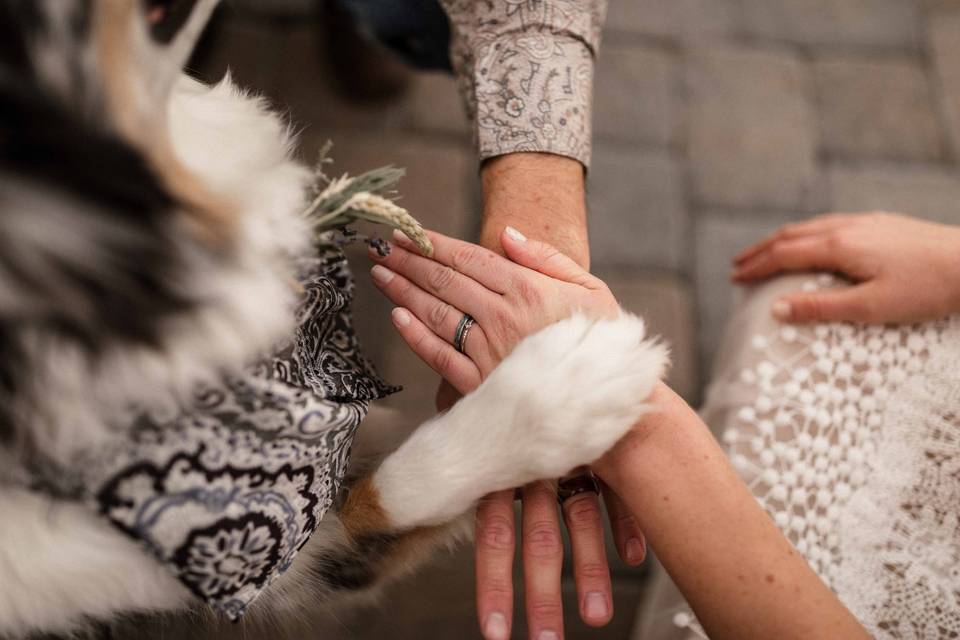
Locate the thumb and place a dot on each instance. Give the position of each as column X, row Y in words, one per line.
column 839, row 305
column 543, row 258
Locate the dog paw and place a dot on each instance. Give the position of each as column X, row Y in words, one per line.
column 578, row 387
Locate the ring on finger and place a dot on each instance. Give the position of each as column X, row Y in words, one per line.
column 570, row 487
column 460, row 337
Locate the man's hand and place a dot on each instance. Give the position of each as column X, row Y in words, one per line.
column 543, row 196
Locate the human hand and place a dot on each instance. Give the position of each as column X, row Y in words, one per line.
column 510, row 300
column 903, row 269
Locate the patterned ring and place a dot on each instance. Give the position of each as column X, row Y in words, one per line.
column 460, row 337
column 570, row 487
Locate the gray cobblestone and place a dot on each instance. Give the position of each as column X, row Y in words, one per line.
column 876, row 109
column 752, row 139
column 944, row 29
column 665, row 302
column 638, row 215
column 674, row 18
column 636, row 97
column 930, row 192
column 886, row 24
column 719, row 237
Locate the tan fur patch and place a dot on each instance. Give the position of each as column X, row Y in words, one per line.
column 361, row 513
column 115, row 40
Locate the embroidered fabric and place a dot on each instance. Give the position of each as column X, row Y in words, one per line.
column 226, row 490
column 849, row 436
column 526, row 72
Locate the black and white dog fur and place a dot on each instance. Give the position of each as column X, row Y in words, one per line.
column 147, row 223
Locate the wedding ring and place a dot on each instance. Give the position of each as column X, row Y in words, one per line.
column 460, row 337
column 574, row 486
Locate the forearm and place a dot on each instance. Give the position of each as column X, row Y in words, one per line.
column 740, row 575
column 540, row 194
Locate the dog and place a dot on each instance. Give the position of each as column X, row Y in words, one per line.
column 150, row 245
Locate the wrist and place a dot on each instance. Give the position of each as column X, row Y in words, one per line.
column 540, row 194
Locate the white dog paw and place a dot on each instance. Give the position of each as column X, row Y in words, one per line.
column 578, row 387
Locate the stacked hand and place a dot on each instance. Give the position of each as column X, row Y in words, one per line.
column 509, row 299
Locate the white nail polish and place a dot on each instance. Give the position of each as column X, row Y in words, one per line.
column 401, row 238
column 515, row 235
column 781, row 310
column 381, row 274
column 548, row 635
column 495, row 627
column 400, row 317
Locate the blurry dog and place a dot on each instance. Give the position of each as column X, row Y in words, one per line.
column 147, row 228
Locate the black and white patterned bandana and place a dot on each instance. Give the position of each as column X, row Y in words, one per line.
column 226, row 491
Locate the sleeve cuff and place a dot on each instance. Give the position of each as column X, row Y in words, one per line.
column 533, row 94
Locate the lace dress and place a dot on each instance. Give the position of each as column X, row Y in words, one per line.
column 849, row 436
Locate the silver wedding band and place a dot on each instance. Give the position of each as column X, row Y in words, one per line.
column 460, row 337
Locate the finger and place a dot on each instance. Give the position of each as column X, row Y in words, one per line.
column 544, row 258
column 542, row 562
column 439, row 355
column 447, row 284
column 495, row 545
column 812, row 252
column 627, row 536
column 441, row 318
column 590, row 569
column 855, row 304
column 818, row 225
column 482, row 265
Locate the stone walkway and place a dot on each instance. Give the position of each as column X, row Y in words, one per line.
column 716, row 121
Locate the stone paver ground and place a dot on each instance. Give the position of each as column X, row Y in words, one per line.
column 717, row 120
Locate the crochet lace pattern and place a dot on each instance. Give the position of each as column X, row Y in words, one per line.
column 852, row 444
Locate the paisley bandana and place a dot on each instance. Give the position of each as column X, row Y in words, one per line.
column 226, row 491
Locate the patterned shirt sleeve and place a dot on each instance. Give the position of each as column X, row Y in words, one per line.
column 525, row 69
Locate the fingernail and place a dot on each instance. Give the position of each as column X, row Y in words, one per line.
column 548, row 635
column 634, row 549
column 401, row 238
column 381, row 274
column 595, row 606
column 400, row 317
column 781, row 310
column 495, row 627
column 515, row 235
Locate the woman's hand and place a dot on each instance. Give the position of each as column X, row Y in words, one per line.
column 510, row 300
column 904, row 269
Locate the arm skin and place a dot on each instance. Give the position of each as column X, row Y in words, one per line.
column 740, row 575
column 542, row 195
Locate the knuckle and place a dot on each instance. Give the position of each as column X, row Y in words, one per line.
column 584, row 514
column 542, row 540
column 591, row 571
column 464, row 257
column 497, row 588
column 495, row 533
column 440, row 278
column 527, row 291
column 545, row 609
column 837, row 241
column 442, row 360
column 438, row 313
column 626, row 522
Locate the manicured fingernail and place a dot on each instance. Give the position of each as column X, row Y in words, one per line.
column 781, row 310
column 381, row 274
column 548, row 635
column 401, row 238
column 634, row 549
column 515, row 235
column 400, row 317
column 495, row 627
column 595, row 607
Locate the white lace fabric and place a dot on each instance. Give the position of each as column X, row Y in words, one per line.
column 849, row 436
